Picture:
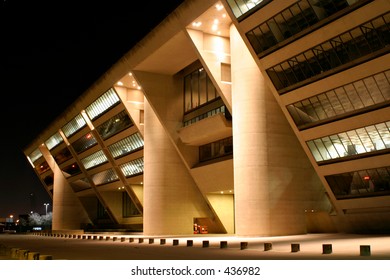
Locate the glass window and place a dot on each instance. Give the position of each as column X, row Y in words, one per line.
column 104, row 177
column 350, row 143
column 73, row 126
column 198, row 90
column 216, row 149
column 292, row 20
column 53, row 141
column 108, row 100
column 338, row 102
column 85, row 142
column 329, row 55
column 241, row 7
column 95, row 159
column 128, row 207
column 114, row 125
column 126, row 145
column 133, row 168
column 36, row 154
column 360, row 183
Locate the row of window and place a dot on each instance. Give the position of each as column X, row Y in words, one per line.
column 198, row 90
column 241, row 8
column 361, row 183
column 343, row 101
column 293, row 20
column 216, row 149
column 350, row 143
column 318, row 61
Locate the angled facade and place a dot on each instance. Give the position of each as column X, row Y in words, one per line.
column 233, row 117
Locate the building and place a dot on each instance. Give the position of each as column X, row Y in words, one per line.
column 245, row 117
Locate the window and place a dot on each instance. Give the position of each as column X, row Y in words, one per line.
column 114, row 125
column 317, row 62
column 104, row 177
column 216, row 149
column 95, row 159
column 358, row 96
column 362, row 141
column 54, row 141
column 133, row 168
column 128, row 207
column 73, row 126
column 85, row 142
column 126, row 145
column 361, row 183
column 108, row 100
column 243, row 7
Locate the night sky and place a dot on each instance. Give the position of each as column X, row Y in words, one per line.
column 51, row 52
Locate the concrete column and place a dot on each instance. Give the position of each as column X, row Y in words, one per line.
column 268, row 159
column 171, row 199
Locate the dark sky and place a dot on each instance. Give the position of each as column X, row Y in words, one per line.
column 51, row 52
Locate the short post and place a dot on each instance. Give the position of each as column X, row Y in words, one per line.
column 140, row 240
column 205, row 243
column 365, row 250
column 267, row 246
column 327, row 248
column 175, row 242
column 223, row 244
column 243, row 245
column 101, row 237
column 295, row 247
column 131, row 240
column 114, row 238
column 23, row 254
column 33, row 256
column 45, row 257
column 107, row 238
column 123, row 239
column 151, row 240
column 95, row 237
column 163, row 241
column 190, row 243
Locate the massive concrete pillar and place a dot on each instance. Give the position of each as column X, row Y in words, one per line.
column 67, row 211
column 171, row 198
column 268, row 159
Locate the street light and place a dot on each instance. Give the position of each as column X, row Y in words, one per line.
column 46, row 204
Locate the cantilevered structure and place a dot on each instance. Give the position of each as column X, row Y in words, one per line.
column 245, row 117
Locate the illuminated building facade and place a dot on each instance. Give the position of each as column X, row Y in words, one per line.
column 246, row 117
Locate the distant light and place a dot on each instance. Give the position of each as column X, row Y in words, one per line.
column 138, row 87
column 366, row 178
column 214, row 27
column 219, row 7
column 119, row 83
column 130, row 74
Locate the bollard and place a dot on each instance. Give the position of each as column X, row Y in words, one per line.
column 114, row 238
column 175, row 242
column 365, row 250
column 151, row 240
column 190, row 243
column 131, row 239
column 107, row 238
column 45, row 257
column 327, row 248
column 295, row 248
column 123, row 239
column 101, row 237
column 95, row 237
column 79, row 236
column 22, row 254
column 205, row 243
column 267, row 246
column 89, row 237
column 244, row 245
column 163, row 241
column 223, row 244
column 33, row 256
column 83, row 237
column 140, row 240
column 14, row 253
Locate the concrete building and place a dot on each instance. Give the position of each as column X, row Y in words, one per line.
column 244, row 117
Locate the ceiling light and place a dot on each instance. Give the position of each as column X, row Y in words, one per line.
column 219, row 7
